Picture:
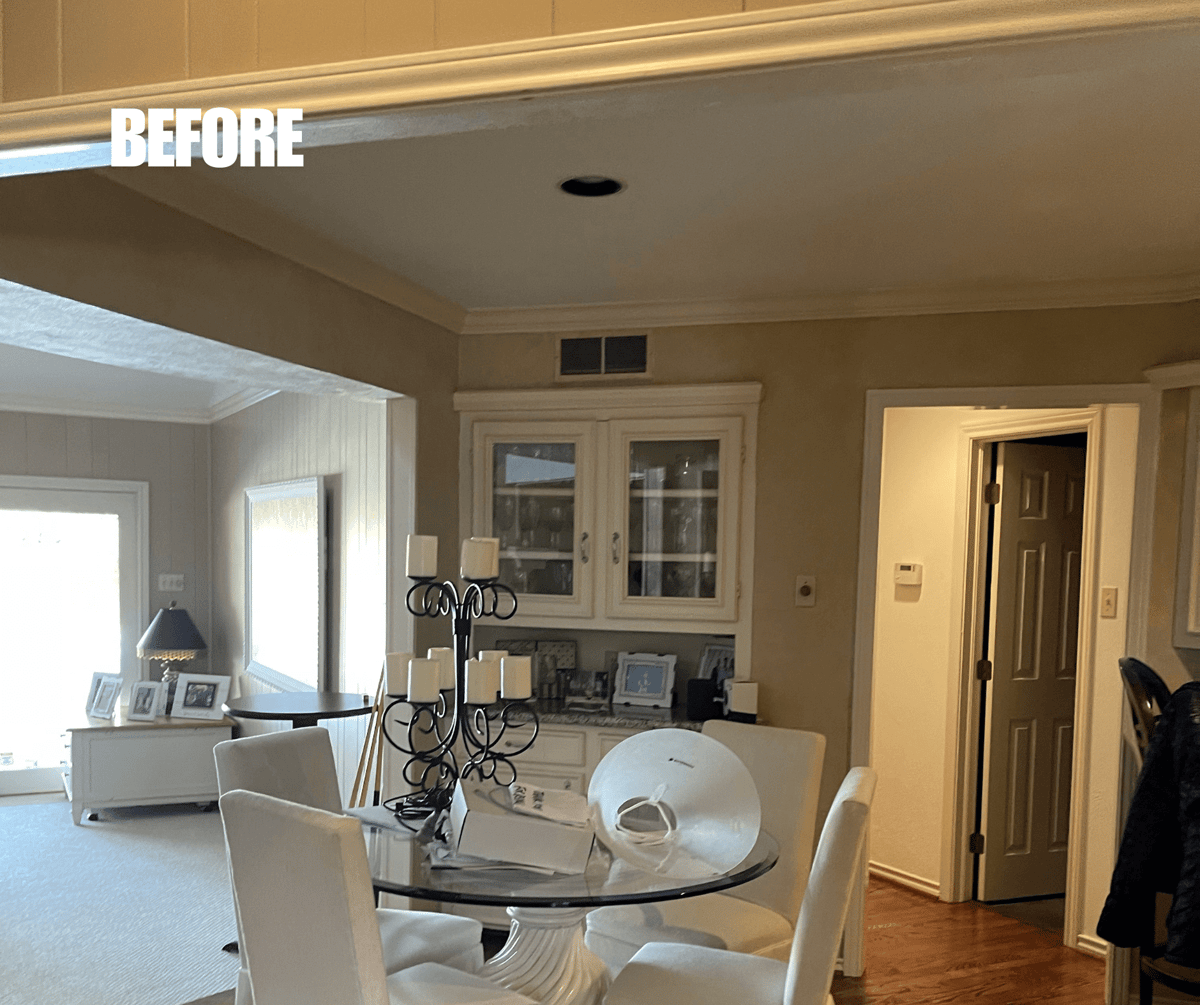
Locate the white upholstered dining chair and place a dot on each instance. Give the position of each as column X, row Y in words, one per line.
column 662, row 973
column 756, row 918
column 307, row 915
column 297, row 765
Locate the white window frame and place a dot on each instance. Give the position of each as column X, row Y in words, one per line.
column 130, row 501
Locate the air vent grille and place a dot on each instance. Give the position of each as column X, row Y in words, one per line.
column 602, row 354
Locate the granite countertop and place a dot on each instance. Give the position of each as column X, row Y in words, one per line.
column 550, row 712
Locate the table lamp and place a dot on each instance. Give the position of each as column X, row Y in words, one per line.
column 171, row 639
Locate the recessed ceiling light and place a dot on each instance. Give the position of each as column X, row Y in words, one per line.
column 591, row 185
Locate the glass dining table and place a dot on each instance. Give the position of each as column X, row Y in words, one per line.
column 545, row 957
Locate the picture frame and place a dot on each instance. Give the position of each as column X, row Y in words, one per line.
column 645, row 679
column 145, row 700
column 103, row 695
column 716, row 662
column 200, row 696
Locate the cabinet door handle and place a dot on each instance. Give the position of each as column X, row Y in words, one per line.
column 616, row 547
column 583, row 548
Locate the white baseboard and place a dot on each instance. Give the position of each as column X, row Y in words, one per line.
column 908, row 879
column 1095, row 946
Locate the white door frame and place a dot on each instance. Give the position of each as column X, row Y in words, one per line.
column 1147, row 399
column 963, row 717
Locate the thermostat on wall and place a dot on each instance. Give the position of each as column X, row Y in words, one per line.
column 908, row 574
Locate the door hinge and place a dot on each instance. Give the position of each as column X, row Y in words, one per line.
column 975, row 844
column 983, row 670
column 991, row 493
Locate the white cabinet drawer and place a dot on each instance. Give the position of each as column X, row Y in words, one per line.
column 570, row 780
column 552, row 746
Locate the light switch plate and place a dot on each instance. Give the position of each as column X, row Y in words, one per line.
column 1108, row 601
column 806, row 591
column 170, row 582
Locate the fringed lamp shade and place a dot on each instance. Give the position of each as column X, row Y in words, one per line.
column 171, row 638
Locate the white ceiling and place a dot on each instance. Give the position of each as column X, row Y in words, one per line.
column 1040, row 173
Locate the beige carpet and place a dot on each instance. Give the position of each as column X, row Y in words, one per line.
column 129, row 910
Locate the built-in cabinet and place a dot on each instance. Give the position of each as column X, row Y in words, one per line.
column 622, row 508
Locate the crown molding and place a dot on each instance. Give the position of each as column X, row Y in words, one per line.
column 1173, row 375
column 825, row 306
column 49, row 405
column 355, row 98
column 610, row 398
column 236, row 403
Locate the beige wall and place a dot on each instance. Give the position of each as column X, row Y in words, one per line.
column 171, row 457
column 913, row 654
column 815, row 376
column 91, row 45
column 292, row 436
column 88, row 239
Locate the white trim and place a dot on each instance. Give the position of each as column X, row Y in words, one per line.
column 902, row 878
column 1186, row 616
column 961, row 736
column 819, row 32
column 42, row 405
column 816, row 306
column 137, row 495
column 1148, row 402
column 1092, row 945
column 1170, row 375
column 609, row 399
column 235, row 403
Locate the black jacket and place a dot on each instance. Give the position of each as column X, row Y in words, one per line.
column 1160, row 849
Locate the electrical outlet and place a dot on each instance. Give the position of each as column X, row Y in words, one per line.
column 806, row 591
column 1108, row 601
column 170, row 582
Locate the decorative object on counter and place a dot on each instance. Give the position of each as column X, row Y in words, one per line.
column 550, row 658
column 587, row 690
column 716, row 661
column 147, row 699
column 103, row 695
column 645, row 680
column 200, row 696
column 704, row 699
column 171, row 639
column 445, row 710
column 741, row 700
column 675, row 803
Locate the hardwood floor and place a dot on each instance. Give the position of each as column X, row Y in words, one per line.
column 920, row 950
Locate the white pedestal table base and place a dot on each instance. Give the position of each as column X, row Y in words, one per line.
column 545, row 958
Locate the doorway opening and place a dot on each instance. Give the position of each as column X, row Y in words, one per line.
column 71, row 601
column 1031, row 535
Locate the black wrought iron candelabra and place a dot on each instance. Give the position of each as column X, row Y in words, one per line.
column 433, row 729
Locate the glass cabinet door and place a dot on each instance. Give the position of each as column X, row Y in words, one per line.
column 674, row 521
column 536, row 500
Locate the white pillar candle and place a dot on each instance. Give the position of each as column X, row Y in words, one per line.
column 420, row 558
column 479, row 691
column 492, row 658
column 480, row 558
column 423, row 678
column 397, row 672
column 445, row 656
column 516, row 678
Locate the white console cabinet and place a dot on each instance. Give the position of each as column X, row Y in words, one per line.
column 124, row 763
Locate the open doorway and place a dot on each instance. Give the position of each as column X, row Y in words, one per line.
column 1031, row 539
column 917, row 647
column 71, row 604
